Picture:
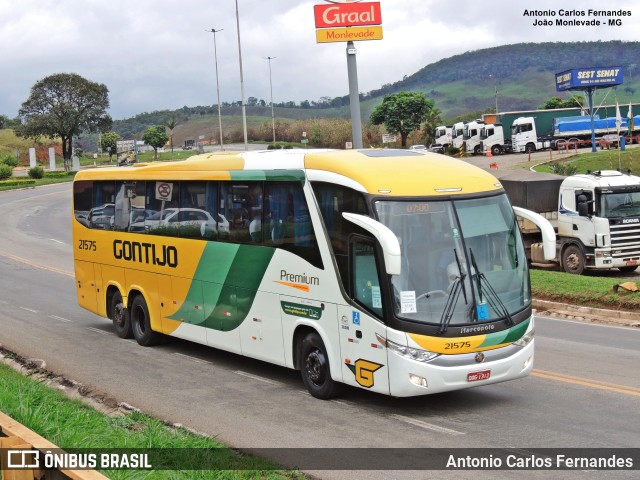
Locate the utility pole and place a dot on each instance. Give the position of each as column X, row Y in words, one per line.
column 273, row 118
column 244, row 107
column 215, row 53
column 354, row 96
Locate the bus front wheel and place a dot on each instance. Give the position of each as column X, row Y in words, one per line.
column 120, row 317
column 141, row 323
column 315, row 370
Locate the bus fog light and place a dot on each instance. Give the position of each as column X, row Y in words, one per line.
column 527, row 363
column 418, row 380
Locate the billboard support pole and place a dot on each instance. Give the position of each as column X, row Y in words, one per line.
column 354, row 96
column 593, row 131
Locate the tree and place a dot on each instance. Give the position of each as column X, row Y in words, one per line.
column 402, row 113
column 432, row 120
column 171, row 124
column 155, row 136
column 556, row 102
column 64, row 105
column 108, row 143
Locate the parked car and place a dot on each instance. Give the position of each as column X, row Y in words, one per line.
column 181, row 217
column 435, row 148
column 418, row 147
column 102, row 217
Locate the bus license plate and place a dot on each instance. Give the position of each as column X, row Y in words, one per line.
column 476, row 376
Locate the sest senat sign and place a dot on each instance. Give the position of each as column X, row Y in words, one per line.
column 582, row 78
column 347, row 14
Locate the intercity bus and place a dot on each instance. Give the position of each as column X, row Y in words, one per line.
column 401, row 272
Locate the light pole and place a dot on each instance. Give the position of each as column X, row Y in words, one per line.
column 273, row 118
column 495, row 88
column 215, row 53
column 244, row 107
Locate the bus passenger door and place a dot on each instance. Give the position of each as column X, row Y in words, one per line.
column 364, row 358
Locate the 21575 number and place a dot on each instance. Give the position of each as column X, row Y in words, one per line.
column 457, row 345
column 89, row 245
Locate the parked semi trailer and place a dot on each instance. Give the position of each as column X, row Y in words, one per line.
column 596, row 217
column 525, row 135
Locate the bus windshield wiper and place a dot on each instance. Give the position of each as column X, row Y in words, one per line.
column 493, row 299
column 452, row 299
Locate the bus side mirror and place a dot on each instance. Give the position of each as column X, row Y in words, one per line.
column 386, row 238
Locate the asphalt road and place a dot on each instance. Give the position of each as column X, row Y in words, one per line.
column 584, row 391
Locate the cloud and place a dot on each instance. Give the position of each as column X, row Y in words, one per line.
column 158, row 54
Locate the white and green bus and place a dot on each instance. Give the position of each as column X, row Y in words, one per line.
column 401, row 272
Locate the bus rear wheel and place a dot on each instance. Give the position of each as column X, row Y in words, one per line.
column 315, row 370
column 120, row 317
column 141, row 323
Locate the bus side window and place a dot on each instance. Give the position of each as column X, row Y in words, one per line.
column 333, row 200
column 82, row 200
column 102, row 214
column 129, row 205
column 193, row 218
column 365, row 280
column 241, row 211
column 287, row 222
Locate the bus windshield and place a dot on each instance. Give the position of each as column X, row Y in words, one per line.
column 463, row 261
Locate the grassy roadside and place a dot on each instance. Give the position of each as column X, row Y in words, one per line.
column 73, row 424
column 628, row 159
column 595, row 290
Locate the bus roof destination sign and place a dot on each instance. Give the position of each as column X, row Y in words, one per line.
column 584, row 78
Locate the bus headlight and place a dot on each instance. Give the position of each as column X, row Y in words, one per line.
column 417, row 354
column 526, row 339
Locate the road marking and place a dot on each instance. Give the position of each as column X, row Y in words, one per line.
column 425, row 425
column 193, row 359
column 601, row 325
column 29, row 309
column 97, row 330
column 57, row 241
column 587, row 382
column 60, row 318
column 31, row 263
column 257, row 377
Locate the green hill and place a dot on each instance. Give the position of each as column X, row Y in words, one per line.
column 459, row 85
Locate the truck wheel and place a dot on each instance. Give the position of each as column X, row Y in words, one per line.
column 315, row 371
column 530, row 148
column 476, row 150
column 573, row 260
column 496, row 150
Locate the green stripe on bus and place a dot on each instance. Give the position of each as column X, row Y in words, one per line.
column 261, row 175
column 506, row 336
column 225, row 283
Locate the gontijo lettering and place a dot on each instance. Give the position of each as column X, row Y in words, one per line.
column 143, row 252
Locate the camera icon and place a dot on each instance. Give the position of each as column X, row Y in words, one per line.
column 23, row 459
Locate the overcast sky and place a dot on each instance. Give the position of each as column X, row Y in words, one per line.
column 157, row 54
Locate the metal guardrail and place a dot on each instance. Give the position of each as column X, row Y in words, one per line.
column 15, row 436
